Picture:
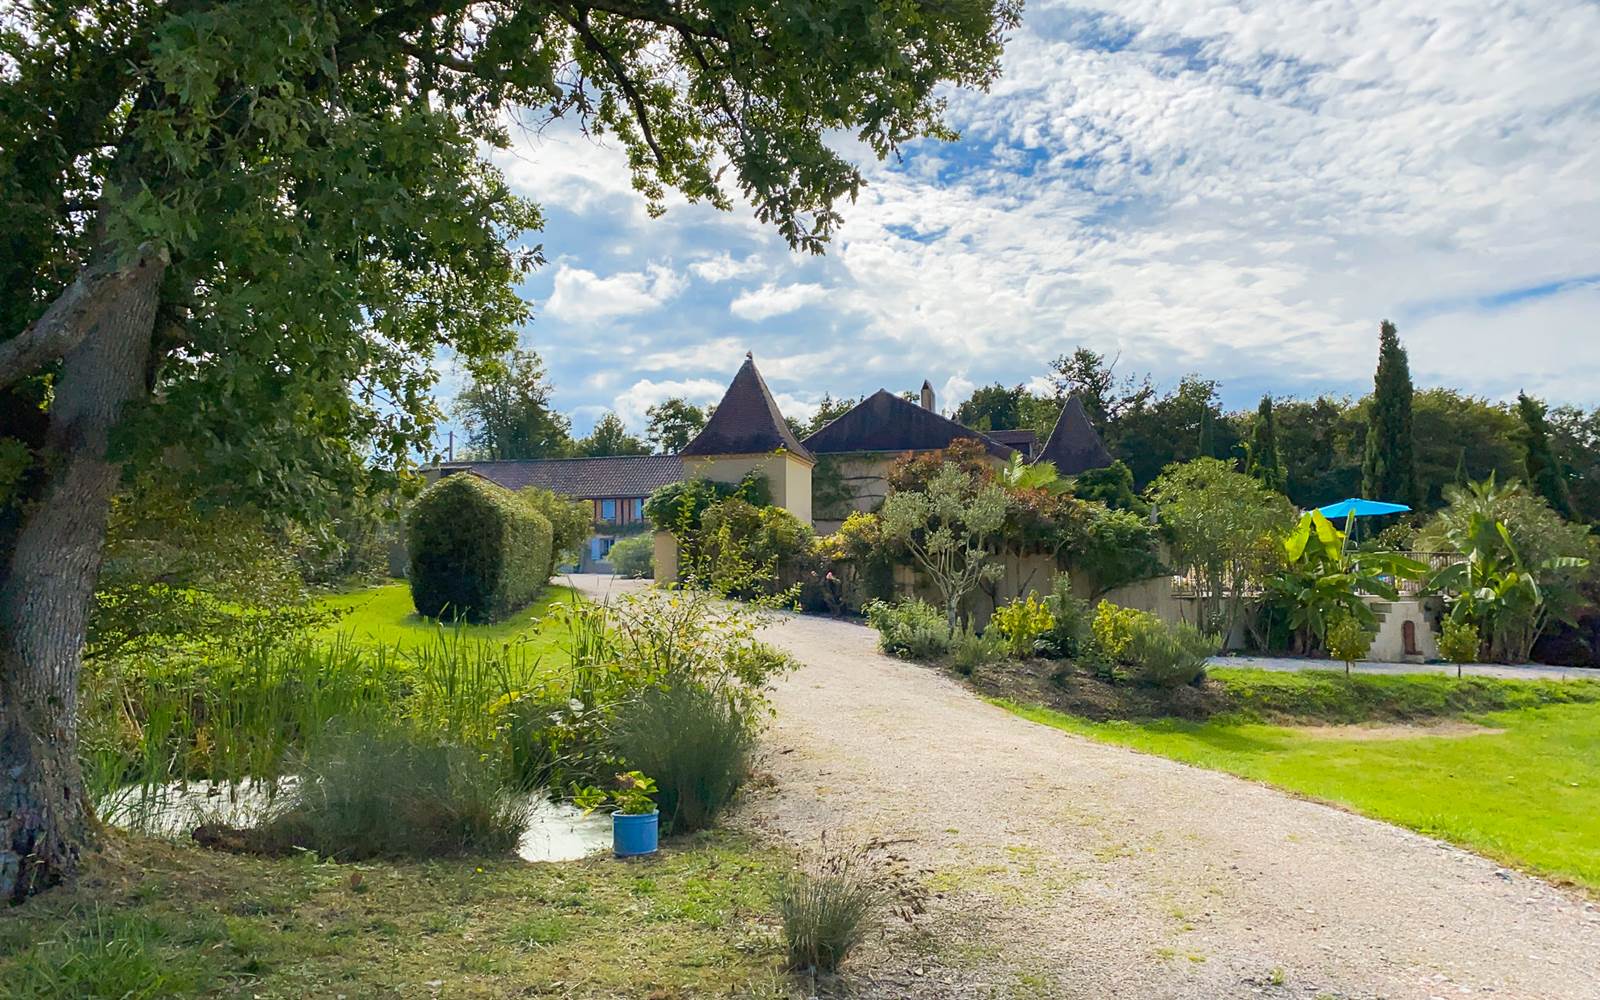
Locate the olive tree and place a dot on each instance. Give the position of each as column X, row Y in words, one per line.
column 236, row 233
column 950, row 528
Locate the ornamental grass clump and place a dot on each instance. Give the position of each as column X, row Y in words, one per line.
column 828, row 911
column 695, row 742
column 368, row 794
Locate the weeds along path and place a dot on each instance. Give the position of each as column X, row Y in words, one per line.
column 1066, row 868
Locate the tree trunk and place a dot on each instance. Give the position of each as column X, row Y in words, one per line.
column 47, row 584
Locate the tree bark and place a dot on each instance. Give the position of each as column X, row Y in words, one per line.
column 48, row 581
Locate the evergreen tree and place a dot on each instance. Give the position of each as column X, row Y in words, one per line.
column 1388, row 471
column 1264, row 463
column 1544, row 473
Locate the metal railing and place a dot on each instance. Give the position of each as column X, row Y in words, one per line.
column 1188, row 584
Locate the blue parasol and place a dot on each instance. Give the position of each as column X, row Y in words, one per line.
column 1355, row 507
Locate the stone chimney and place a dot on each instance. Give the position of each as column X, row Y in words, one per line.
column 927, row 395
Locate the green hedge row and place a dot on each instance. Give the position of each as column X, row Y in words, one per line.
column 478, row 551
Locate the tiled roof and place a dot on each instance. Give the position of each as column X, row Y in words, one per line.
column 1074, row 446
column 580, row 478
column 1025, row 441
column 885, row 422
column 747, row 421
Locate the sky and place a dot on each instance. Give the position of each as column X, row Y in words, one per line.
column 1238, row 190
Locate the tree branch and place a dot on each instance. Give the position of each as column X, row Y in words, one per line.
column 71, row 315
column 661, row 14
column 443, row 59
column 580, row 24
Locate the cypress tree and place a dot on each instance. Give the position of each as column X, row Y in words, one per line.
column 1388, row 471
column 1264, row 463
column 1544, row 473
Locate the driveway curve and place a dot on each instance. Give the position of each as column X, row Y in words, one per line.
column 1061, row 867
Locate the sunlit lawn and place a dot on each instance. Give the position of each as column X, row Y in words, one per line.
column 1529, row 796
column 385, row 614
column 154, row 919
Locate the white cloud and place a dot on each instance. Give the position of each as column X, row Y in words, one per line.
column 1194, row 185
column 775, row 300
column 633, row 401
column 723, row 267
column 957, row 390
column 583, row 297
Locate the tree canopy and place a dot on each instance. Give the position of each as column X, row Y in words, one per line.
column 609, row 437
column 237, row 234
column 673, row 423
column 507, row 414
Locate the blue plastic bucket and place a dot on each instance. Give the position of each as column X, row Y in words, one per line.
column 632, row 836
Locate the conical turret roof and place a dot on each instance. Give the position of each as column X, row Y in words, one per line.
column 1073, row 446
column 747, row 421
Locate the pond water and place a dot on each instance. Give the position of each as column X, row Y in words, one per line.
column 556, row 831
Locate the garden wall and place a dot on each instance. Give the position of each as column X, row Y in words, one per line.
column 1034, row 574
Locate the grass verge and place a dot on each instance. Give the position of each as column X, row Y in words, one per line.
column 1525, row 790
column 155, row 919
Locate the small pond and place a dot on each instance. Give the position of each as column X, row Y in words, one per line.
column 556, row 831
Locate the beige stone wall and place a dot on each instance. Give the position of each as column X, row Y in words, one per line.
column 867, row 476
column 788, row 476
column 666, row 557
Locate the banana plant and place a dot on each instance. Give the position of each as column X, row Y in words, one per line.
column 1495, row 590
column 1324, row 580
column 1019, row 475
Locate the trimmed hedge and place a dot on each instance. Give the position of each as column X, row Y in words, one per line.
column 478, row 551
column 571, row 523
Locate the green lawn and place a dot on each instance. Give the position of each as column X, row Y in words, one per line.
column 154, row 919
column 1528, row 796
column 384, row 614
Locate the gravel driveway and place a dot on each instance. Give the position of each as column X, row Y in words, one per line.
column 1066, row 868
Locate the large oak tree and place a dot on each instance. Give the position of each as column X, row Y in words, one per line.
column 236, row 231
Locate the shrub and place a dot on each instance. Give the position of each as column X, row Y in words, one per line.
column 971, row 651
column 695, row 743
column 1168, row 656
column 912, row 630
column 1020, row 624
column 827, row 912
column 1349, row 639
column 571, row 523
column 634, row 556
column 1459, row 642
column 743, row 547
column 371, row 795
column 477, row 551
column 1152, row 651
column 1113, row 628
column 1070, row 634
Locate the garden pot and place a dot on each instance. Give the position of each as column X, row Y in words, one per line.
column 633, row 835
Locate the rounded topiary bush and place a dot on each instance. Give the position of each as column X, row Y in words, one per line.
column 478, row 551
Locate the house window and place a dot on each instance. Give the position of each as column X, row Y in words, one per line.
column 638, row 508
column 608, row 510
